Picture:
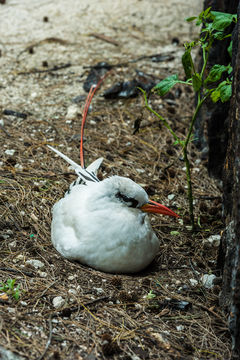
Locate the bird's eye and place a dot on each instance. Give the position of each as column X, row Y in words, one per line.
column 131, row 202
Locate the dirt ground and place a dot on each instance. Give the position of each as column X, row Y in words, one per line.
column 165, row 312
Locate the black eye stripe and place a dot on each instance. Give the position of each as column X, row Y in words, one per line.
column 131, row 202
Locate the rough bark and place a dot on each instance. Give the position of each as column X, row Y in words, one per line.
column 214, row 116
column 223, row 148
column 230, row 251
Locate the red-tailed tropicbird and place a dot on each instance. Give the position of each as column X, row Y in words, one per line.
column 104, row 224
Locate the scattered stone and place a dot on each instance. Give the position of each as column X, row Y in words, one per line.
column 58, row 302
column 99, row 291
column 72, row 292
column 42, row 274
column 179, row 327
column 171, row 196
column 214, row 240
column 18, row 167
column 9, row 355
column 208, row 280
column 140, row 171
column 19, row 257
column 5, row 236
column 13, row 244
column 72, row 112
column 10, row 152
column 193, row 282
column 71, row 277
column 37, row 264
column 23, row 303
column 11, row 310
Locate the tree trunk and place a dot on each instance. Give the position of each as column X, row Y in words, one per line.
column 230, row 250
column 223, row 147
column 214, row 116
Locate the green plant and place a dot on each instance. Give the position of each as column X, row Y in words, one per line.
column 151, row 295
column 10, row 289
column 214, row 28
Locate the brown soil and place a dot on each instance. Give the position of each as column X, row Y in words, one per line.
column 104, row 316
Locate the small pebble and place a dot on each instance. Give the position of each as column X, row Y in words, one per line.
column 193, row 282
column 58, row 302
column 10, row 152
column 214, row 239
column 33, row 95
column 71, row 277
column 72, row 112
column 11, row 310
column 99, row 291
column 12, row 244
column 23, row 303
column 171, row 196
column 19, row 167
column 207, row 280
column 140, row 171
column 72, row 292
column 37, row 264
column 19, row 257
column 42, row 274
column 180, row 327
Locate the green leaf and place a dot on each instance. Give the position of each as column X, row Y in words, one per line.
column 197, row 82
column 223, row 92
column 179, row 142
column 216, row 73
column 207, row 12
column 187, row 63
column 175, row 232
column 222, row 20
column 165, row 85
column 215, row 95
column 220, row 35
column 191, row 18
column 151, row 295
column 10, row 283
column 230, row 69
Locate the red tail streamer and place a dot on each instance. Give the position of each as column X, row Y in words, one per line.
column 85, row 111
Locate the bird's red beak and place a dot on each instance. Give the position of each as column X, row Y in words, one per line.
column 156, row 208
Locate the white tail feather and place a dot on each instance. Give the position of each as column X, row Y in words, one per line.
column 86, row 175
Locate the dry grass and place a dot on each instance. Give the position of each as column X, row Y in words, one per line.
column 106, row 316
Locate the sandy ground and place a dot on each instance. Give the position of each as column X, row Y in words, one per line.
column 45, row 48
column 139, row 27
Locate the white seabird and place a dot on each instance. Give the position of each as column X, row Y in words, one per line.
column 104, row 224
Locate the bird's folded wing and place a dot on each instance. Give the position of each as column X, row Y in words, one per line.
column 94, row 166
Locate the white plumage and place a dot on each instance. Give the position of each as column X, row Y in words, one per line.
column 104, row 224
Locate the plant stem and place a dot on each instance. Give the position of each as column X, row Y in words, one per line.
column 186, row 160
column 189, row 185
column 159, row 116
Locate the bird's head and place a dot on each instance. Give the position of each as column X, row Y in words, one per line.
column 129, row 193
